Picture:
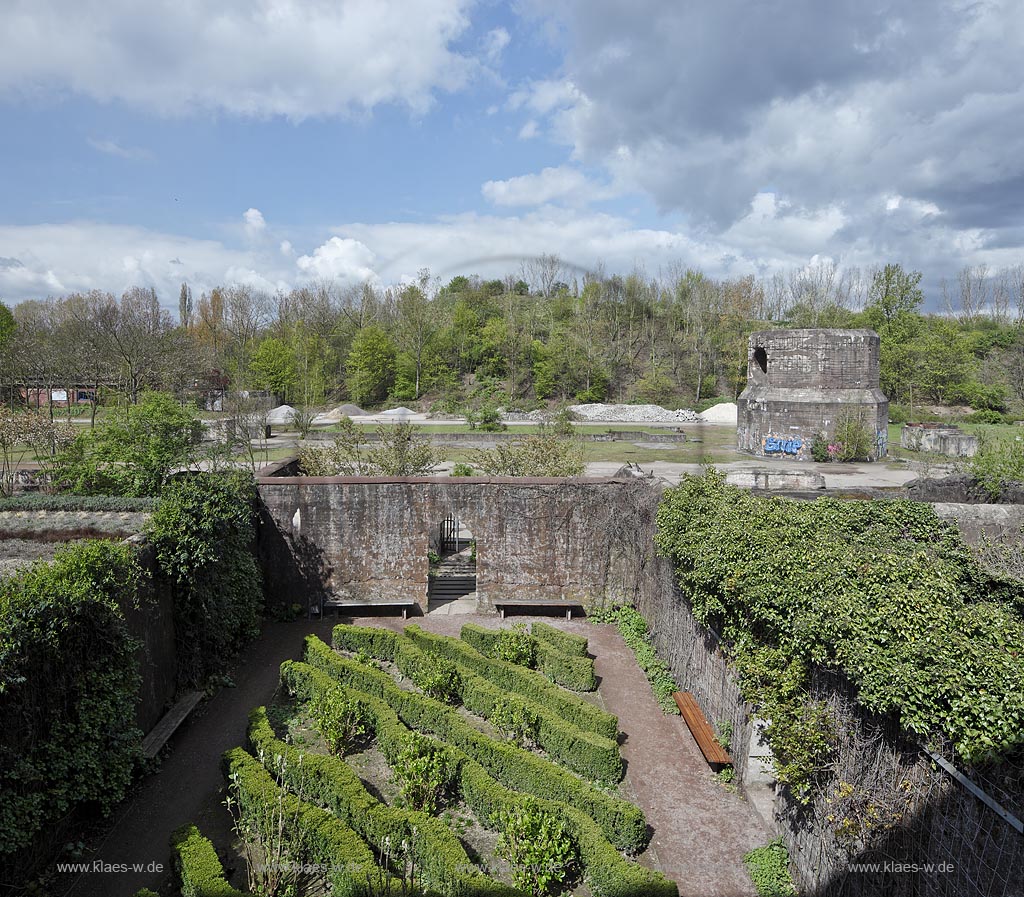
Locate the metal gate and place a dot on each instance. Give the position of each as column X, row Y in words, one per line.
column 450, row 528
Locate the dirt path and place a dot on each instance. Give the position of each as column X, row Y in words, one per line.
column 700, row 831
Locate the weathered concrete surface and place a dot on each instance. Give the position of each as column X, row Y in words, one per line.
column 776, row 479
column 367, row 538
column 801, row 383
column 978, row 522
column 940, row 440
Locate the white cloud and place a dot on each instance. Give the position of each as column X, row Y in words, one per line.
column 529, row 130
column 247, row 57
column 550, row 184
column 339, row 259
column 495, row 42
column 255, row 224
column 113, row 148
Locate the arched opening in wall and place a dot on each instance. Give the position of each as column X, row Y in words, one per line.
column 452, row 572
column 761, row 359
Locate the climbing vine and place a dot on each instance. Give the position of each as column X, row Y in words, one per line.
column 882, row 592
column 68, row 687
column 204, row 533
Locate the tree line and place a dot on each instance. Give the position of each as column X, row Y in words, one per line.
column 547, row 335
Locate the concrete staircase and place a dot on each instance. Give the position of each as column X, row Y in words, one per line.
column 454, row 577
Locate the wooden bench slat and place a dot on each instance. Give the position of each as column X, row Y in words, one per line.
column 169, row 722
column 701, row 729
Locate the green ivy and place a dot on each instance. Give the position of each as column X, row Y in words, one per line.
column 882, row 592
column 204, row 533
column 769, row 869
column 68, row 687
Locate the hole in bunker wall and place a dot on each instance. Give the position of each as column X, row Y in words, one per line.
column 761, row 359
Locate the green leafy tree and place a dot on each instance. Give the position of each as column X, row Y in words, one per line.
column 370, row 366
column 134, row 455
column 273, row 367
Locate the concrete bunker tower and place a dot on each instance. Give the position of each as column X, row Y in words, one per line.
column 801, row 383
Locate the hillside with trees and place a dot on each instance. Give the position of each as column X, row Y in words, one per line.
column 541, row 337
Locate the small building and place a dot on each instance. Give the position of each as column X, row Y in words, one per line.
column 801, row 384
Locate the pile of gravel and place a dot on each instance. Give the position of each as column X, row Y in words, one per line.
column 632, row 414
column 336, row 414
column 722, row 413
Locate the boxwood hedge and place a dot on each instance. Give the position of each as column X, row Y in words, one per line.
column 609, row 874
column 321, row 837
column 570, row 670
column 331, row 783
column 516, row 679
column 622, row 823
column 197, row 868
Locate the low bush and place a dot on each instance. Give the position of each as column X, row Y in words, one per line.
column 517, row 680
column 197, row 868
column 341, row 722
column 317, row 835
column 39, row 501
column 582, row 751
column 437, row 677
column 769, row 869
column 537, row 845
column 608, row 872
column 514, row 645
column 424, row 774
column 574, row 673
column 572, row 669
column 622, row 823
column 566, row 642
column 378, row 643
column 332, row 784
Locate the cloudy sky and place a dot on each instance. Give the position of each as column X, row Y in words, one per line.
column 275, row 142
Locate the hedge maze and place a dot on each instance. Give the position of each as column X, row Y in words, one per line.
column 508, row 750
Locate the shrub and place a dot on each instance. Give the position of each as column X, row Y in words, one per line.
column 568, row 670
column 331, row 783
column 68, row 687
column 819, row 449
column 438, row 677
column 608, row 873
column 131, row 455
column 622, row 823
column 197, row 867
column 514, row 722
column 538, row 847
column 204, row 534
column 516, row 646
column 985, row 417
column 855, row 439
column 462, row 470
column 514, row 679
column 769, row 869
column 542, row 455
column 424, row 773
column 340, row 721
column 891, row 595
column 319, row 836
column 566, row 642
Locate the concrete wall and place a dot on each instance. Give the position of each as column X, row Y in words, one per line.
column 367, row 538
column 801, row 383
column 949, row 441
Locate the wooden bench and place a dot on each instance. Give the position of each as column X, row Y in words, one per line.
column 545, row 603
column 339, row 603
column 169, row 722
column 701, row 730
